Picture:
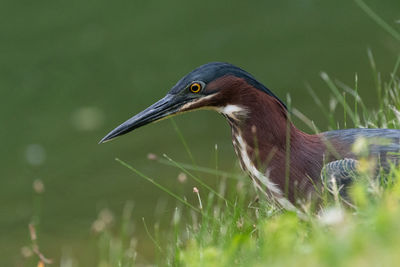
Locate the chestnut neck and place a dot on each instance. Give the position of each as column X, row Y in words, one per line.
column 264, row 126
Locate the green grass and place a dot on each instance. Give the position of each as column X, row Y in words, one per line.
column 225, row 226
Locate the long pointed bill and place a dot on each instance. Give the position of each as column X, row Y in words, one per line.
column 168, row 105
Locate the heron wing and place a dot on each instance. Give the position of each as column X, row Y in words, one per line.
column 339, row 174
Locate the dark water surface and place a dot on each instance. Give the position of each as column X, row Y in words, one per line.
column 71, row 71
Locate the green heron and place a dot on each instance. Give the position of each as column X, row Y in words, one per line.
column 284, row 162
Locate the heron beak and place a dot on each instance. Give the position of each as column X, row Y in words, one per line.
column 163, row 108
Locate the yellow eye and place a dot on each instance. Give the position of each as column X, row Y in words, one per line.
column 195, row 87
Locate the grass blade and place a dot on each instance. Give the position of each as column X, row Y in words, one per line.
column 183, row 140
column 166, row 190
column 375, row 17
column 201, row 169
column 197, row 179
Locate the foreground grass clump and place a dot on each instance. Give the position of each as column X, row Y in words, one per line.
column 367, row 236
column 217, row 231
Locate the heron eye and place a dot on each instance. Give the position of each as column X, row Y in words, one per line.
column 195, row 87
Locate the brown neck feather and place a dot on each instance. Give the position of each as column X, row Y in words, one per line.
column 264, row 129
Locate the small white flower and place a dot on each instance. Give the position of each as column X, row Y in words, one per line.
column 332, row 216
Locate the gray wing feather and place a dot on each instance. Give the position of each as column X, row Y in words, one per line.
column 340, row 172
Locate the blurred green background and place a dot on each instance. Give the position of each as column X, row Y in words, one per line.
column 71, row 71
